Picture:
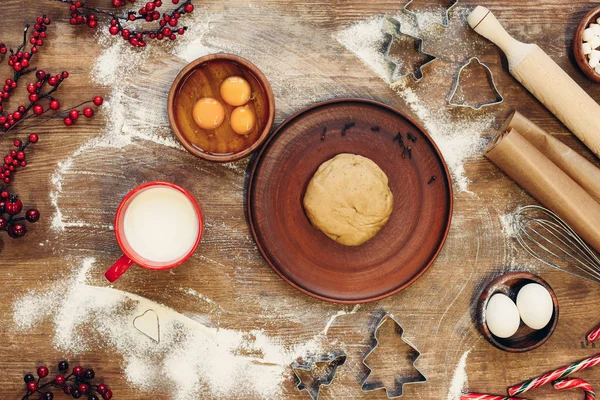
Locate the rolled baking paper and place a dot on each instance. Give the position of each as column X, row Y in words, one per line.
column 545, row 181
column 582, row 171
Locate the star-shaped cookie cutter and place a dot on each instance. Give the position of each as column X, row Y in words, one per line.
column 499, row 98
column 397, row 392
column 445, row 17
column 393, row 30
column 334, row 361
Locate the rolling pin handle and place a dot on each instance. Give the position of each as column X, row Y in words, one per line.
column 487, row 25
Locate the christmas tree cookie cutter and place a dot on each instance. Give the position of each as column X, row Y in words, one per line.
column 399, row 381
column 393, row 31
column 334, row 361
column 457, row 81
column 445, row 17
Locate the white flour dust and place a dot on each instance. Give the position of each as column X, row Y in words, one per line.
column 459, row 381
column 458, row 135
column 190, row 358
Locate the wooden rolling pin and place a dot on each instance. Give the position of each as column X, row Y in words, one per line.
column 552, row 86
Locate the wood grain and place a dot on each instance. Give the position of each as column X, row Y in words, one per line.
column 435, row 312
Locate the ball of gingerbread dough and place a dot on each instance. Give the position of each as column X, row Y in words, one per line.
column 349, row 199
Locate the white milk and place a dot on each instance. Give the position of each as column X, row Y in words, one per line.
column 161, row 224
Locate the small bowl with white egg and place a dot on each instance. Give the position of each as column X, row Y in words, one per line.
column 221, row 107
column 586, row 44
column 517, row 312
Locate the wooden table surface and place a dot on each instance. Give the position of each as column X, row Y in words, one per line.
column 435, row 312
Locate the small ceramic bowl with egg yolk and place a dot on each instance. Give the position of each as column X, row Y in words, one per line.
column 221, row 107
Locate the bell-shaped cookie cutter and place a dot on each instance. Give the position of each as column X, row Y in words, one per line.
column 393, row 30
column 499, row 98
column 335, row 361
column 397, row 391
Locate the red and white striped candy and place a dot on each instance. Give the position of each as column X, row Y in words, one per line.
column 554, row 375
column 594, row 335
column 573, row 383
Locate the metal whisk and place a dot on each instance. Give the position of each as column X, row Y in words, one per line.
column 549, row 239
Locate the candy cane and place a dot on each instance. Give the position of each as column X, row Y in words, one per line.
column 594, row 335
column 566, row 384
column 555, row 375
column 479, row 396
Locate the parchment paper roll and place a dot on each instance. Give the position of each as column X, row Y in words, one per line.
column 545, row 181
column 586, row 174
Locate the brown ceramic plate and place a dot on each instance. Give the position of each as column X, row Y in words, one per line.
column 582, row 59
column 307, row 259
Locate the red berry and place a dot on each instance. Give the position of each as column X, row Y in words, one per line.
column 67, row 389
column 42, row 371
column 107, row 395
column 74, row 114
column 20, row 155
column 23, row 163
column 25, row 63
column 188, row 8
column 98, row 100
column 31, row 386
column 3, row 223
column 181, row 31
column 34, row 97
column 8, row 160
column 78, row 371
column 101, row 388
column 68, row 121
column 64, row 74
column 92, row 24
column 31, row 88
column 13, row 207
column 167, row 31
column 175, row 1
column 54, row 105
column 41, row 74
column 173, row 22
column 17, row 115
column 83, row 388
column 37, row 109
column 17, row 143
column 33, row 215
column 52, row 81
column 33, row 138
column 58, row 379
column 88, row 112
column 113, row 30
column 4, row 194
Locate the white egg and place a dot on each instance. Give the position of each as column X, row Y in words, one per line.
column 502, row 316
column 535, row 305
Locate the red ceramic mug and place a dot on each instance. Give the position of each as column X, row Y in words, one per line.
column 148, row 200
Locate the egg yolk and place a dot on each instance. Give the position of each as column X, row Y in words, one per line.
column 208, row 113
column 235, row 91
column 243, row 120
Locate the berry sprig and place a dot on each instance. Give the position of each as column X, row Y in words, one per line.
column 10, row 204
column 77, row 384
column 20, row 60
column 168, row 22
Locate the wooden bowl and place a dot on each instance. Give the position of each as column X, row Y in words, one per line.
column 582, row 59
column 525, row 339
column 203, row 78
column 305, row 257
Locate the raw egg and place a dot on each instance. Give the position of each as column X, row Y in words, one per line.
column 535, row 305
column 502, row 316
column 235, row 91
column 208, row 113
column 243, row 120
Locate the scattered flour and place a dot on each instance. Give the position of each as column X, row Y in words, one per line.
column 190, row 358
column 459, row 380
column 509, row 226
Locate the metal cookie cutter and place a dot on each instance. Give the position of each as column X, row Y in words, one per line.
column 445, row 18
column 334, row 362
column 499, row 98
column 399, row 381
column 393, row 30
